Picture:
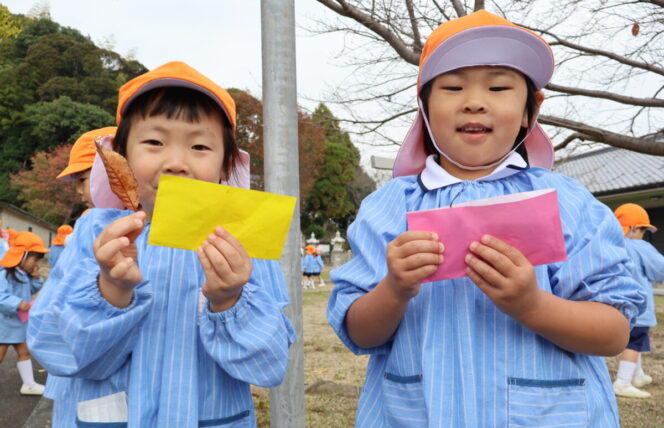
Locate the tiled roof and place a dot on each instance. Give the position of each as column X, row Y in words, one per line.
column 611, row 169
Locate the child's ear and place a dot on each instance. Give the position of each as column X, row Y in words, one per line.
column 539, row 97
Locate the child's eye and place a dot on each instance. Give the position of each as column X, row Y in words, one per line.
column 152, row 142
column 498, row 88
column 200, row 147
column 452, row 88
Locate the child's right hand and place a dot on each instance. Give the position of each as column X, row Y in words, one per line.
column 411, row 257
column 116, row 252
column 24, row 306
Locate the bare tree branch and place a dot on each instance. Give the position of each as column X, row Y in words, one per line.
column 643, row 102
column 604, row 136
column 417, row 40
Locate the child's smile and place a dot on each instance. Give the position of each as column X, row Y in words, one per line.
column 476, row 113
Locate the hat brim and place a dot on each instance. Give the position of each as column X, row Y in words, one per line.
column 499, row 46
column 175, row 83
column 11, row 258
column 411, row 157
column 72, row 169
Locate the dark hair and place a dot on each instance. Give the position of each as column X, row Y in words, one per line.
column 177, row 103
column 531, row 108
column 11, row 271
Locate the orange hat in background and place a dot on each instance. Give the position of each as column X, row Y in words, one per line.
column 25, row 242
column 633, row 215
column 63, row 231
column 11, row 233
column 310, row 249
column 83, row 151
column 175, row 74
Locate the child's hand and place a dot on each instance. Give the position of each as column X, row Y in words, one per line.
column 24, row 306
column 411, row 257
column 227, row 268
column 116, row 252
column 35, row 272
column 505, row 275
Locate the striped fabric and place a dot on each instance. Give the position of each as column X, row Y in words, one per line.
column 648, row 265
column 12, row 293
column 179, row 364
column 458, row 361
column 312, row 264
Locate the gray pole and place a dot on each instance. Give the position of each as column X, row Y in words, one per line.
column 282, row 176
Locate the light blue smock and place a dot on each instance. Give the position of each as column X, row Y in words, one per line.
column 456, row 360
column 179, row 364
column 54, row 255
column 312, row 264
column 12, row 293
column 4, row 246
column 648, row 265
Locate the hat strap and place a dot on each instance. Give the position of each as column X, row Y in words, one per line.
column 460, row 165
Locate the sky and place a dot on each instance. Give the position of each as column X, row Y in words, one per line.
column 220, row 38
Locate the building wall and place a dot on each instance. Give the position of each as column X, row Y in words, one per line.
column 19, row 222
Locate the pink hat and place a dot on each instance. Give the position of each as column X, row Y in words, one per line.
column 480, row 38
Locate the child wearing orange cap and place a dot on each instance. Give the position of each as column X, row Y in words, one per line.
column 312, row 265
column 81, row 157
column 19, row 280
column 58, row 243
column 647, row 266
column 165, row 337
column 510, row 344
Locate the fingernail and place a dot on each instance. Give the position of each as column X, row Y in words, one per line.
column 473, row 246
column 219, row 230
column 468, row 258
column 486, row 239
column 435, row 236
column 441, row 259
column 441, row 247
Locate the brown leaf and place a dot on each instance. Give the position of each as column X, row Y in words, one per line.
column 120, row 177
column 635, row 30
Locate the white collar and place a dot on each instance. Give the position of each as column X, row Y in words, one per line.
column 435, row 176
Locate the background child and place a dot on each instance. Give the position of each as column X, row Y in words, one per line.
column 168, row 337
column 58, row 243
column 4, row 240
column 19, row 280
column 81, row 157
column 312, row 264
column 507, row 345
column 648, row 265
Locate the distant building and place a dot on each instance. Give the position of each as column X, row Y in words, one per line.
column 617, row 176
column 20, row 220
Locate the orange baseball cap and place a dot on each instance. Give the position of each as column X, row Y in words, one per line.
column 633, row 215
column 310, row 249
column 479, row 39
column 63, row 231
column 25, row 242
column 175, row 74
column 83, row 152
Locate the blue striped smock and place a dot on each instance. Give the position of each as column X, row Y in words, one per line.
column 456, row 361
column 179, row 364
column 312, row 264
column 12, row 293
column 54, row 255
column 648, row 265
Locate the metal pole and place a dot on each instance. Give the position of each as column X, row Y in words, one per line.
column 282, row 176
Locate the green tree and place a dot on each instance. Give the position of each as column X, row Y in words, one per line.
column 40, row 127
column 341, row 183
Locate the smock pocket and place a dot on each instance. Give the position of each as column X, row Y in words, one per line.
column 238, row 420
column 404, row 401
column 104, row 412
column 547, row 403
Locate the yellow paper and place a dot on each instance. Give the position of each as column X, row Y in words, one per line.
column 187, row 211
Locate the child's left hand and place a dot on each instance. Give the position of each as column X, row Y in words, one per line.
column 227, row 268
column 505, row 275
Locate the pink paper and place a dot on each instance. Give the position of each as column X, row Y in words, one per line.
column 529, row 221
column 23, row 315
